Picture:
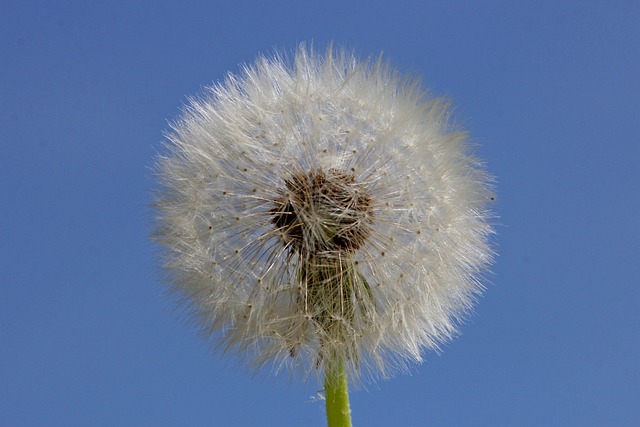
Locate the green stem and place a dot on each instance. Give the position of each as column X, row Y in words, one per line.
column 337, row 397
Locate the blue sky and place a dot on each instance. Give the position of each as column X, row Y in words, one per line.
column 550, row 91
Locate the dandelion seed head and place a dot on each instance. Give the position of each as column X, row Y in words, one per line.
column 323, row 209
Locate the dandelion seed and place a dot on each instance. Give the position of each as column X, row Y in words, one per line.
column 321, row 213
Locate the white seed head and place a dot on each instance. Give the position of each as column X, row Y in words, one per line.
column 323, row 210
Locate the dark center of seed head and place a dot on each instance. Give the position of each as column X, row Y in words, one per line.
column 322, row 212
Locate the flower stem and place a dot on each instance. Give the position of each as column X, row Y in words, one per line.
column 337, row 397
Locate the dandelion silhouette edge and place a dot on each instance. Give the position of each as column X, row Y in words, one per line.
column 322, row 210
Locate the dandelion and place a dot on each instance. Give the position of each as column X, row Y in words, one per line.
column 321, row 216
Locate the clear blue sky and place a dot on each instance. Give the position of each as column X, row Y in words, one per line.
column 551, row 91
